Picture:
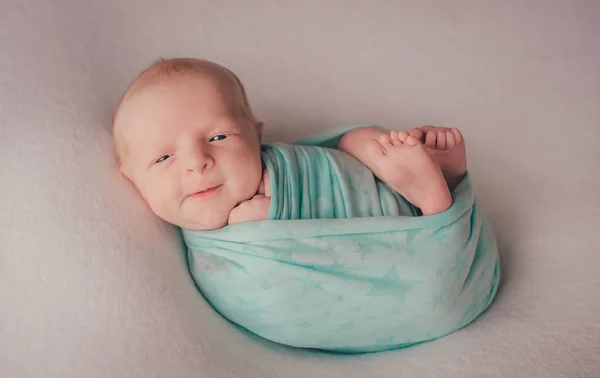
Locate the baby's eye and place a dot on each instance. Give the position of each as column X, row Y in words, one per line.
column 217, row 138
column 161, row 159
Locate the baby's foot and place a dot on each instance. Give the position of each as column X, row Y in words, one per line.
column 402, row 162
column 447, row 148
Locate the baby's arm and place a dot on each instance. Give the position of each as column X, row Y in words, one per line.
column 355, row 141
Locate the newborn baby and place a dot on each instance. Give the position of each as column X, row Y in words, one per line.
column 354, row 267
column 187, row 139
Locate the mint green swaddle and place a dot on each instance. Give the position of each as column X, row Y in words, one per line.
column 343, row 263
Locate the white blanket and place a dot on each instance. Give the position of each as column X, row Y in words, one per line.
column 92, row 285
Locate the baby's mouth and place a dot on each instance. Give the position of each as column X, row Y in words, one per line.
column 208, row 193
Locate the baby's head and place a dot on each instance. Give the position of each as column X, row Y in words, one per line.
column 187, row 139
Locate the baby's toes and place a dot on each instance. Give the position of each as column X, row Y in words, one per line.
column 385, row 140
column 412, row 141
column 450, row 140
column 428, row 128
column 418, row 133
column 395, row 137
column 431, row 139
column 402, row 135
column 441, row 140
column 457, row 136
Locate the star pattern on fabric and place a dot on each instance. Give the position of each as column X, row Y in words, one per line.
column 328, row 248
column 460, row 265
column 410, row 236
column 365, row 249
column 347, row 326
column 391, row 285
column 266, row 285
column 440, row 272
column 436, row 301
column 282, row 253
column 305, row 325
column 299, row 307
column 441, row 236
column 386, row 244
column 308, row 283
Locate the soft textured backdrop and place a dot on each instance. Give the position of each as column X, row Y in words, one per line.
column 91, row 285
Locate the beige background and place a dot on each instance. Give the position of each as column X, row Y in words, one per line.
column 92, row 285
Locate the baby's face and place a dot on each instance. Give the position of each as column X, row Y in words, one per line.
column 187, row 153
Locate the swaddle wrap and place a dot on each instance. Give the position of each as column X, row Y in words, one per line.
column 376, row 278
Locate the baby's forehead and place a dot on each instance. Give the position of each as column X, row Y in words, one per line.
column 168, row 75
column 153, row 105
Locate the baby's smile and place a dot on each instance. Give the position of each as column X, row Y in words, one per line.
column 209, row 193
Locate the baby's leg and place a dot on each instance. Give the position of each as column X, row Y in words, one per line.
column 401, row 161
column 447, row 148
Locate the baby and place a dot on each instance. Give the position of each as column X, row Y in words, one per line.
column 187, row 139
column 355, row 267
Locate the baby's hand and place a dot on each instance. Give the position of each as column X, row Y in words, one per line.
column 253, row 210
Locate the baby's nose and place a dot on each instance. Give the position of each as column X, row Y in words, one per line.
column 198, row 160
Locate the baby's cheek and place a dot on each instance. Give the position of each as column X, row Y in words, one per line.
column 251, row 183
column 160, row 196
